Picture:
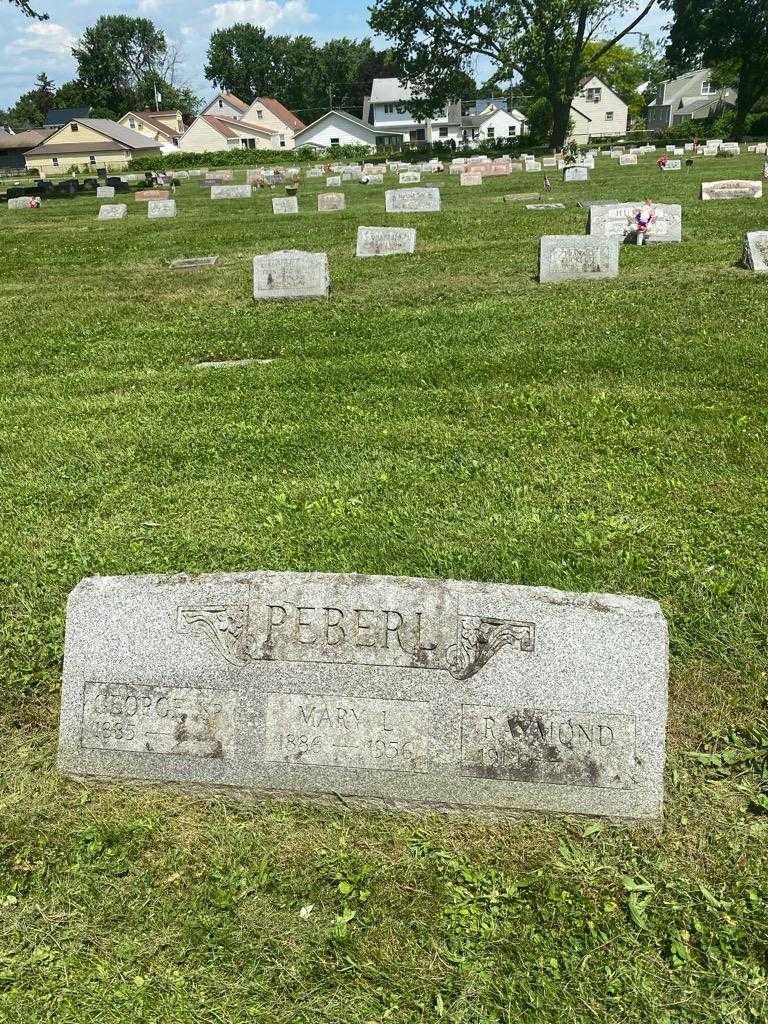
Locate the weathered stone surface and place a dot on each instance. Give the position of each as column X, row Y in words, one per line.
column 195, row 263
column 285, row 204
column 385, row 241
column 471, row 179
column 545, row 206
column 617, row 221
column 756, row 251
column 230, row 364
column 105, row 192
column 24, row 203
column 627, row 159
column 412, row 200
column 409, row 178
column 733, row 189
column 765, row 169
column 149, row 194
column 571, row 257
column 429, row 695
column 333, row 181
column 671, row 165
column 158, row 208
column 217, row 177
column 291, row 274
column 113, row 211
column 313, row 172
column 375, row 179
column 231, row 191
column 575, row 173
column 329, row 201
column 532, row 165
column 521, row 197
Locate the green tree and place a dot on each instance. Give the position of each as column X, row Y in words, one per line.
column 114, row 57
column 243, row 59
column 541, row 41
column 30, row 109
column 731, row 36
column 624, row 69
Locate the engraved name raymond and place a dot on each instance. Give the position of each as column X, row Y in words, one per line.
column 564, row 748
column 347, row 732
column 184, row 721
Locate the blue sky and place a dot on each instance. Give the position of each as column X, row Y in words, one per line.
column 28, row 47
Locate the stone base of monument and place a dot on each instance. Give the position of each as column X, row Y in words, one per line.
column 412, row 694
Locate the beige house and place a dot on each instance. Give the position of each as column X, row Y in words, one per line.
column 209, row 134
column 597, row 111
column 225, row 104
column 165, row 127
column 269, row 113
column 89, row 142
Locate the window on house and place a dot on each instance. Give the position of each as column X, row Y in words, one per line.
column 282, row 142
column 707, row 89
column 131, row 123
column 259, row 115
column 443, row 132
column 91, row 159
column 594, row 95
column 248, row 143
column 418, row 135
column 389, row 108
column 491, row 133
column 335, row 142
column 609, row 115
column 221, row 104
column 55, row 161
column 74, row 126
column 512, row 130
column 139, row 125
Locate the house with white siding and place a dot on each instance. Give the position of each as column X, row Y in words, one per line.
column 337, row 128
column 225, row 104
column 165, row 127
column 493, row 124
column 597, row 111
column 386, row 110
column 209, row 134
column 269, row 113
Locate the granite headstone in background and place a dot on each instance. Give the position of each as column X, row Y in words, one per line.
column 409, row 178
column 285, row 204
column 470, row 179
column 330, row 201
column 412, row 200
column 733, row 189
column 157, row 208
column 291, row 274
column 113, row 211
column 574, row 257
column 385, row 241
column 148, row 194
column 417, row 694
column 105, row 192
column 575, row 173
column 231, row 191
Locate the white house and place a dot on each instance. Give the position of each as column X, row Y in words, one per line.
column 225, row 104
column 387, row 110
column 597, row 111
column 209, row 134
column 493, row 124
column 337, row 128
column 269, row 113
column 165, row 127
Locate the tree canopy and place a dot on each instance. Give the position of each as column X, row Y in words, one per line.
column 544, row 42
column 731, row 36
column 27, row 10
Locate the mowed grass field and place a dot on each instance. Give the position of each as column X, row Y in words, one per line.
column 442, row 415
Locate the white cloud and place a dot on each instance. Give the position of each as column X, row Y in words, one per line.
column 149, row 6
column 44, row 37
column 268, row 13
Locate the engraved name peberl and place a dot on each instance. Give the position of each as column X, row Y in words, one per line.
column 476, row 698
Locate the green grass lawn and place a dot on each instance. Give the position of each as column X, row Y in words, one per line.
column 442, row 415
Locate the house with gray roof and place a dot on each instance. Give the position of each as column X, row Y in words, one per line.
column 691, row 97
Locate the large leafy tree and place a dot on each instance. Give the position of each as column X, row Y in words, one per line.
column 30, row 108
column 247, row 61
column 731, row 36
column 544, row 42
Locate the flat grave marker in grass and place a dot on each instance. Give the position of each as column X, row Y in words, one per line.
column 328, row 202
column 161, row 208
column 149, row 194
column 486, row 699
column 574, row 257
column 194, row 263
column 412, row 200
column 577, row 173
column 385, row 241
column 231, row 191
column 105, row 192
column 112, row 211
column 285, row 204
column 291, row 274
